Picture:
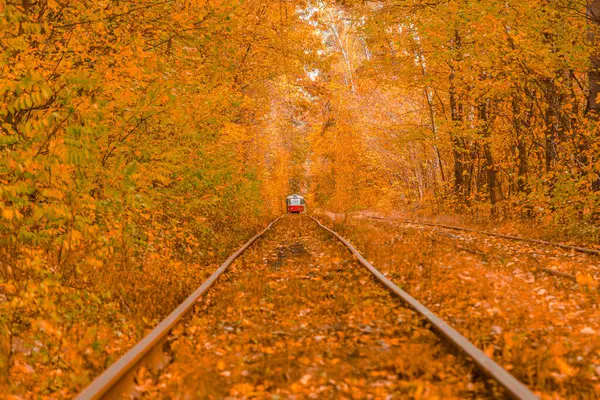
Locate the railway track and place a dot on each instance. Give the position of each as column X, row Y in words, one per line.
column 548, row 271
column 501, row 295
column 378, row 334
column 578, row 249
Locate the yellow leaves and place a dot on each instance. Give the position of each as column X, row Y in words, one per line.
column 8, row 214
column 234, row 134
column 296, row 387
column 564, row 367
column 129, row 97
column 489, row 351
column 53, row 4
column 11, row 213
column 9, row 288
column 23, row 368
column 246, row 323
column 53, row 193
column 47, row 327
column 73, row 240
column 509, row 340
column 94, row 262
column 305, row 379
column 179, row 127
column 242, row 389
column 178, row 17
column 304, row 360
column 586, row 280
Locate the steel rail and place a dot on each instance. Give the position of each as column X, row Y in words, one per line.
column 548, row 271
column 558, row 274
column 110, row 384
column 515, row 388
column 499, row 235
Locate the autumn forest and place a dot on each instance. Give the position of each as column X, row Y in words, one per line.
column 143, row 142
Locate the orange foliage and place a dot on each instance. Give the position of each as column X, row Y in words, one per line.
column 140, row 142
column 130, row 162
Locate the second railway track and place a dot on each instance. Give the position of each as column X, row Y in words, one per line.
column 297, row 315
column 579, row 249
column 532, row 244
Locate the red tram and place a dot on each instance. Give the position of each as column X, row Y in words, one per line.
column 295, row 204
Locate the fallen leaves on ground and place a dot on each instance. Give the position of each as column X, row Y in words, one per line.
column 297, row 317
column 544, row 329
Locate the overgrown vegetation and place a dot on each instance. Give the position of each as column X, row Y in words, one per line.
column 540, row 327
column 458, row 106
column 141, row 142
column 132, row 159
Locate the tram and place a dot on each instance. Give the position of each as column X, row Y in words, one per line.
column 295, row 204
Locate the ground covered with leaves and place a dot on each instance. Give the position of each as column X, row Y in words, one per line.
column 501, row 295
column 59, row 335
column 296, row 316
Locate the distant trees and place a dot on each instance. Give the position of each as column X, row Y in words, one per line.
column 503, row 91
column 593, row 17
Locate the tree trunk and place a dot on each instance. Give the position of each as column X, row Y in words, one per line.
column 519, row 123
column 459, row 150
column 488, row 164
column 593, row 14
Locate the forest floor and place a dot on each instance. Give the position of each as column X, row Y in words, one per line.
column 544, row 329
column 296, row 316
column 584, row 235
